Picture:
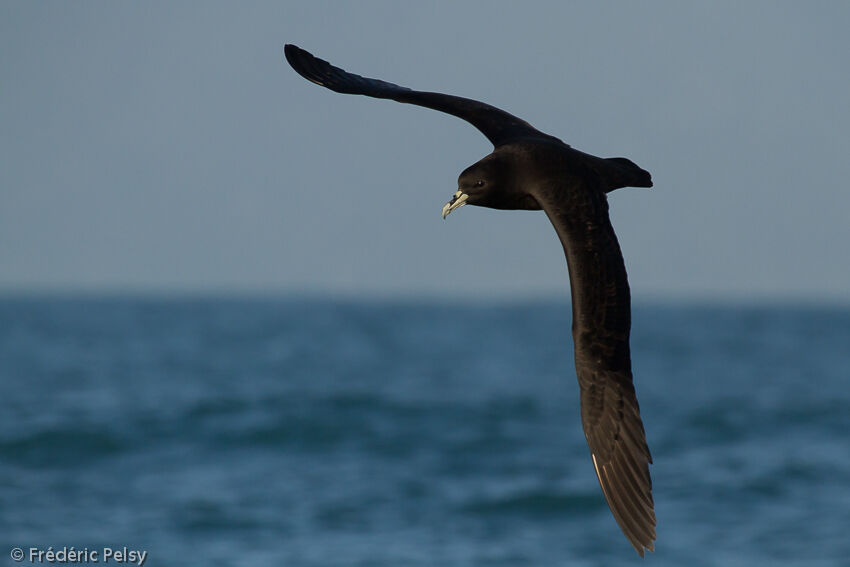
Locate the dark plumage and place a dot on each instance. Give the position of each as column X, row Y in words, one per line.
column 532, row 170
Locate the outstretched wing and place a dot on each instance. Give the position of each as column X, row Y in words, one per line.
column 497, row 125
column 612, row 426
column 601, row 303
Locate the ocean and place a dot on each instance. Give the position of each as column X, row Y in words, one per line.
column 322, row 432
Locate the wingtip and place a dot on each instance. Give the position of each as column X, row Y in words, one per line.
column 299, row 59
column 291, row 52
column 306, row 64
column 642, row 548
column 639, row 530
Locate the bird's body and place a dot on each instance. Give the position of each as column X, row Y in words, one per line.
column 530, row 170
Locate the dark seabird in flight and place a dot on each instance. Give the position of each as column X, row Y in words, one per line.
column 530, row 170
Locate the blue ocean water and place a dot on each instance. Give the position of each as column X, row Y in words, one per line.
column 365, row 433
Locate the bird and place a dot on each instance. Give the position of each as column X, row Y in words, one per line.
column 531, row 170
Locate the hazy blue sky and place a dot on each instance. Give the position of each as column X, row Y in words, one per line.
column 168, row 146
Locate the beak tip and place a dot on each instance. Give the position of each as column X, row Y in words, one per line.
column 457, row 201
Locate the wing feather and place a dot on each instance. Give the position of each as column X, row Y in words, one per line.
column 610, row 412
column 497, row 125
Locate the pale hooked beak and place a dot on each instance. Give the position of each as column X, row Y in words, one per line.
column 457, row 202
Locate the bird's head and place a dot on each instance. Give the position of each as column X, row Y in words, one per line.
column 492, row 182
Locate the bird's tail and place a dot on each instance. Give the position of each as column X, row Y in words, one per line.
column 625, row 173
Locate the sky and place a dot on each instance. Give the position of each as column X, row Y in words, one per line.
column 167, row 147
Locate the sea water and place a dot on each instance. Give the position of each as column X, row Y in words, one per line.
column 322, row 432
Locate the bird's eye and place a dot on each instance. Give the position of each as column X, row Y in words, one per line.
column 479, row 183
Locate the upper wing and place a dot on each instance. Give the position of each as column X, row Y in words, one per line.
column 601, row 323
column 497, row 125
